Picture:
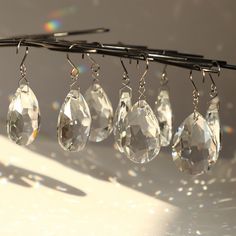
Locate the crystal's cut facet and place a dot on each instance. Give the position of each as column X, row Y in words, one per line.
column 142, row 141
column 74, row 122
column 23, row 118
column 213, row 120
column 194, row 149
column 101, row 112
column 119, row 128
column 163, row 113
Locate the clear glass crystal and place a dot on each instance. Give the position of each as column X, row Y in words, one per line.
column 119, row 128
column 74, row 122
column 23, row 118
column 163, row 113
column 194, row 149
column 213, row 120
column 142, row 140
column 101, row 112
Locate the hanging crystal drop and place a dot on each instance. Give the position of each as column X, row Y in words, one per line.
column 119, row 128
column 101, row 112
column 142, row 140
column 23, row 118
column 163, row 113
column 213, row 120
column 194, row 149
column 74, row 122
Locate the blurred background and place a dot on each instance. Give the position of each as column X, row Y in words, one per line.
column 46, row 191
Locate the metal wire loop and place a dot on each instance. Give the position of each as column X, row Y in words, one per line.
column 142, row 82
column 125, row 78
column 196, row 96
column 95, row 67
column 22, row 65
column 74, row 74
column 213, row 91
column 75, row 71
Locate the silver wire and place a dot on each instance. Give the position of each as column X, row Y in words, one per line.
column 125, row 79
column 22, row 65
column 75, row 71
column 142, row 82
column 95, row 67
column 196, row 96
column 213, row 89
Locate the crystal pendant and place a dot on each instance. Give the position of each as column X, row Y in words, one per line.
column 213, row 120
column 101, row 112
column 23, row 118
column 119, row 128
column 163, row 113
column 74, row 122
column 142, row 140
column 194, row 149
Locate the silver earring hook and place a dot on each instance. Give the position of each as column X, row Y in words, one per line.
column 213, row 92
column 124, row 68
column 191, row 79
column 213, row 70
column 22, row 65
column 125, row 79
column 26, row 52
column 75, row 71
column 196, row 96
column 142, row 82
column 95, row 67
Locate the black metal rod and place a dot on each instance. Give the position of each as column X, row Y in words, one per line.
column 51, row 41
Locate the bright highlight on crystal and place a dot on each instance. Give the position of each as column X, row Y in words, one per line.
column 142, row 134
column 74, row 122
column 23, row 118
column 194, row 148
column 101, row 112
column 163, row 113
column 119, row 127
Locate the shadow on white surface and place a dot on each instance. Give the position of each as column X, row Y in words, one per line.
column 27, row 178
column 119, row 197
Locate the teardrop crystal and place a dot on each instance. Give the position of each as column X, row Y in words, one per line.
column 23, row 118
column 142, row 140
column 119, row 128
column 74, row 122
column 101, row 112
column 213, row 120
column 163, row 113
column 194, row 149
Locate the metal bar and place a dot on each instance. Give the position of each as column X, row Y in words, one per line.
column 135, row 52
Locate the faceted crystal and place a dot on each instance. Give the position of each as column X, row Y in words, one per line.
column 142, row 139
column 163, row 113
column 101, row 112
column 213, row 120
column 74, row 122
column 119, row 128
column 194, row 149
column 23, row 118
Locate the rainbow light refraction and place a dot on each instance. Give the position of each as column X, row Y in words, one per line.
column 52, row 25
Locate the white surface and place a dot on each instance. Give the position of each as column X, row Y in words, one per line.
column 95, row 207
column 45, row 191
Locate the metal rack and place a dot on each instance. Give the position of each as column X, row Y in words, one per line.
column 133, row 52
